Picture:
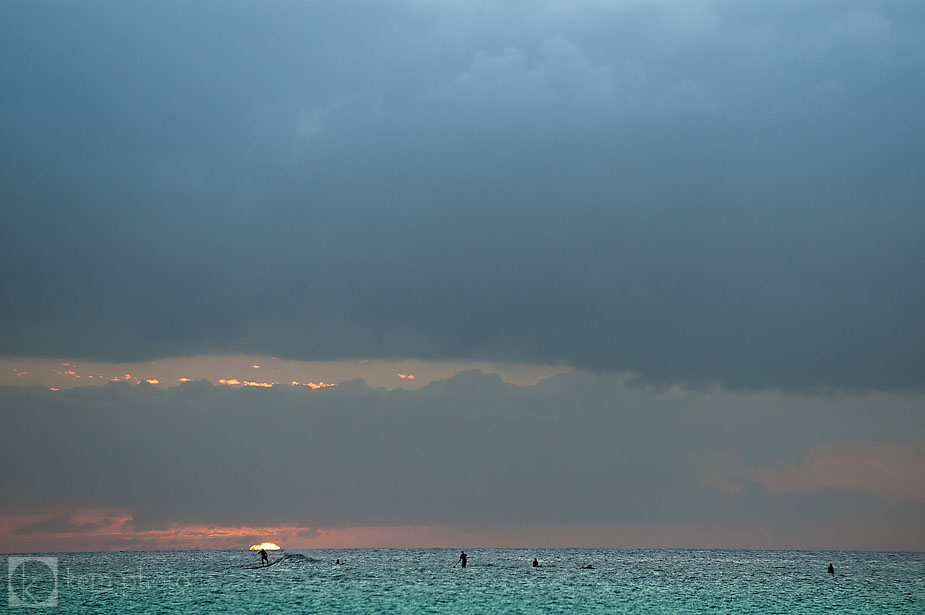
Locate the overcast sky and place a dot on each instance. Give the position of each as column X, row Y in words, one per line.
column 713, row 197
column 470, row 452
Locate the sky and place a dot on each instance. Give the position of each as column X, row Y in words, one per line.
column 616, row 273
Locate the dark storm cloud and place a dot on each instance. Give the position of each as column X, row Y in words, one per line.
column 707, row 192
column 470, row 451
column 59, row 524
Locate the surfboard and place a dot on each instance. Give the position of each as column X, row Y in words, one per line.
column 276, row 561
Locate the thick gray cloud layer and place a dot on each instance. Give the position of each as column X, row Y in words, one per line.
column 697, row 192
column 470, row 451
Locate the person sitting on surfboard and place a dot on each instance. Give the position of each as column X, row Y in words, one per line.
column 264, row 558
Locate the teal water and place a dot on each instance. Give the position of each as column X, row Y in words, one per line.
column 495, row 581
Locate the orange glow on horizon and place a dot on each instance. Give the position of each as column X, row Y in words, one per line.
column 153, row 381
column 312, row 385
column 265, row 385
column 54, row 372
column 112, row 530
column 270, row 385
column 269, row 546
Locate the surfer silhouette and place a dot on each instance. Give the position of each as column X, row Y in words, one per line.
column 536, row 564
column 264, row 558
column 462, row 559
column 831, row 569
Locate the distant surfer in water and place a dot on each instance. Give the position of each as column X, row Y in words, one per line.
column 831, row 569
column 462, row 558
column 536, row 564
column 264, row 558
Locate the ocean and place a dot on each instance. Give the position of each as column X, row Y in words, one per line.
column 495, row 581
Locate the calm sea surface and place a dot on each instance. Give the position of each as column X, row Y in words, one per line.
column 495, row 581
